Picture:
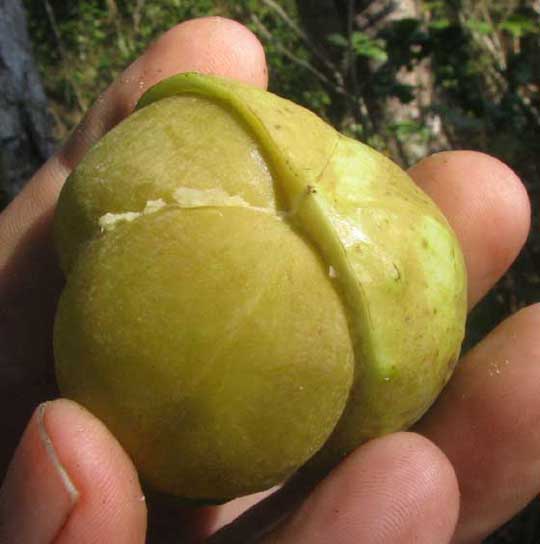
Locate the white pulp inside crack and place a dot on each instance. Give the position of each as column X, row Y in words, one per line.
column 184, row 197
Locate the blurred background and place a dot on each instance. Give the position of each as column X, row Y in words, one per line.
column 408, row 77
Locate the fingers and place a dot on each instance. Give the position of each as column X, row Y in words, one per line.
column 486, row 204
column 399, row 488
column 488, row 424
column 211, row 44
column 70, row 481
column 484, row 419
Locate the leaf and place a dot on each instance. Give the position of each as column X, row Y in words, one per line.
column 364, row 46
column 361, row 44
column 439, row 24
column 519, row 25
column 481, row 27
column 407, row 128
column 338, row 39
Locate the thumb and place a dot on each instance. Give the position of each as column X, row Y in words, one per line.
column 70, row 481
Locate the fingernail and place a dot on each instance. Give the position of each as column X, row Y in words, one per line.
column 68, row 484
column 38, row 495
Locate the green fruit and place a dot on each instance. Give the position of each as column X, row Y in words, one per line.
column 246, row 287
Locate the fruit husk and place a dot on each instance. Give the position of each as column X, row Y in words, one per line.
column 394, row 279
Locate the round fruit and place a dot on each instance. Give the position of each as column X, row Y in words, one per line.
column 246, row 287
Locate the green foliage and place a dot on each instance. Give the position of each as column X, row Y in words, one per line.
column 520, row 25
column 361, row 44
column 408, row 128
column 289, row 59
column 93, row 44
column 481, row 27
column 439, row 24
column 82, row 46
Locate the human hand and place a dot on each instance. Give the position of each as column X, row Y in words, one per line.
column 473, row 468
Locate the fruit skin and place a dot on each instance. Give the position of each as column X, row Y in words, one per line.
column 193, row 376
column 211, row 181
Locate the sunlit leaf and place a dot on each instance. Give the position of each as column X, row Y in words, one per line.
column 482, row 27
column 519, row 25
